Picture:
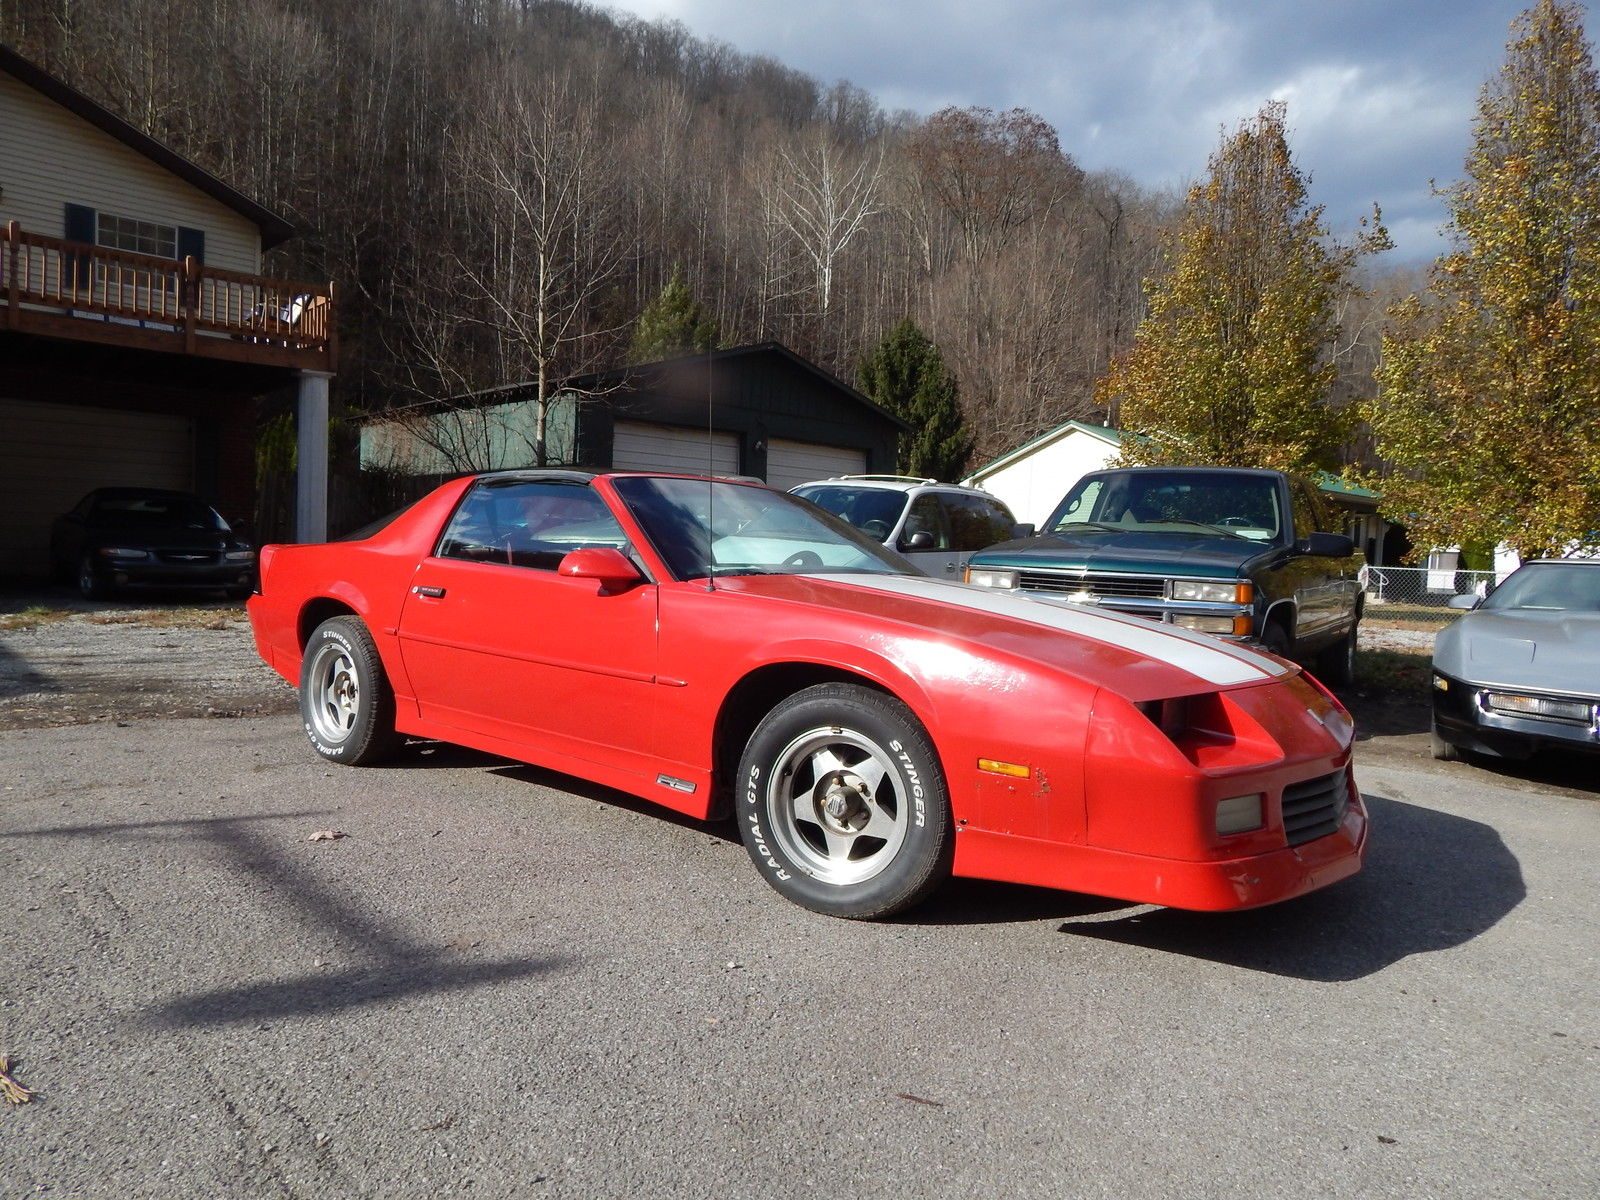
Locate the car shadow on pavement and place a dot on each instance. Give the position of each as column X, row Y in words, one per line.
column 387, row 963
column 1431, row 881
column 1550, row 768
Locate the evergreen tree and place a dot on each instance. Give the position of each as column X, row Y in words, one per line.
column 906, row 374
column 672, row 324
column 1233, row 364
column 1489, row 391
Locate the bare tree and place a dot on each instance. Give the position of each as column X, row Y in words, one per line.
column 824, row 195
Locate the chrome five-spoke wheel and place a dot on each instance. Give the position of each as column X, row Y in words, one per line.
column 836, row 805
column 333, row 692
column 346, row 703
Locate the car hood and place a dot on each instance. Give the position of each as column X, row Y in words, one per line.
column 1540, row 651
column 1159, row 552
column 1135, row 657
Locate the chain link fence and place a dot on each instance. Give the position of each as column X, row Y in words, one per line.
column 1420, row 593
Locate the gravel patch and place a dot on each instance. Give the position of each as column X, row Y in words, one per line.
column 1413, row 641
column 64, row 661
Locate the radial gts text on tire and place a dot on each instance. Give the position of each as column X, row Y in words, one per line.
column 842, row 803
column 346, row 702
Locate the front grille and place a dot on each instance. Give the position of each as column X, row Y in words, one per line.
column 1314, row 808
column 1097, row 584
column 188, row 558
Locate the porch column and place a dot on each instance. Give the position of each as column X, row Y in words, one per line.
column 311, row 449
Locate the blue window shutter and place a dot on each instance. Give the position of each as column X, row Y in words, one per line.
column 191, row 243
column 80, row 222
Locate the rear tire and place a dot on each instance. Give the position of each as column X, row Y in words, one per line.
column 346, row 703
column 1337, row 664
column 842, row 803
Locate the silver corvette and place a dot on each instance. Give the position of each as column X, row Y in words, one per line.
column 1521, row 671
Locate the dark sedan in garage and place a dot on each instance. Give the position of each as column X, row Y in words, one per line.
column 130, row 537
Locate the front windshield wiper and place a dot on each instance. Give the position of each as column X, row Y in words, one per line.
column 1201, row 525
column 1086, row 525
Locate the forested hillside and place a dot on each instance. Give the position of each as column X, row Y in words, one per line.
column 499, row 187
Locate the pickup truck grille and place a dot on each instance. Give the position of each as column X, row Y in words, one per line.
column 1097, row 584
column 1314, row 808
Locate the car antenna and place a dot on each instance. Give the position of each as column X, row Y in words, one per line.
column 711, row 487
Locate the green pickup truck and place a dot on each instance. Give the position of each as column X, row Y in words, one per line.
column 1242, row 554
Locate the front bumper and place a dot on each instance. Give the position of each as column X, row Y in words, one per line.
column 1463, row 716
column 127, row 573
column 1205, row 886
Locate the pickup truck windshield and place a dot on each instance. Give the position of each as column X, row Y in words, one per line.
column 1245, row 507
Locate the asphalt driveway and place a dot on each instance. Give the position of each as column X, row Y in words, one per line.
column 504, row 982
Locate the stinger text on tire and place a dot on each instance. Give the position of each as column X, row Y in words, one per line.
column 842, row 803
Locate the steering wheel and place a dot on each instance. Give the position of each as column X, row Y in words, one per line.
column 1235, row 521
column 876, row 530
column 804, row 559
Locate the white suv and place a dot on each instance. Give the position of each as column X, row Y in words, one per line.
column 937, row 526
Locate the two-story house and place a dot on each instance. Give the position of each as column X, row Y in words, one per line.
column 136, row 328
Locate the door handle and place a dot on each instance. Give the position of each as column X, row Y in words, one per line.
column 433, row 593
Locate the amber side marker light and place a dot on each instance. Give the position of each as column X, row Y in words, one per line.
column 1012, row 770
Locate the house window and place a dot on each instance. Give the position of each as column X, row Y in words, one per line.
column 141, row 237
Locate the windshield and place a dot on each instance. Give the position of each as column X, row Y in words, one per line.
column 706, row 528
column 1549, row 587
column 144, row 512
column 1236, row 506
column 874, row 511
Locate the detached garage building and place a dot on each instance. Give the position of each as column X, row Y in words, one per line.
column 760, row 411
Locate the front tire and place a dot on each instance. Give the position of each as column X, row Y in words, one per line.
column 843, row 805
column 346, row 703
column 1275, row 637
column 1441, row 749
column 91, row 584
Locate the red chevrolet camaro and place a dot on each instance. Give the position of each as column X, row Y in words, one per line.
column 728, row 650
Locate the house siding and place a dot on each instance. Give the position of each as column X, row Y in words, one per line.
column 50, row 157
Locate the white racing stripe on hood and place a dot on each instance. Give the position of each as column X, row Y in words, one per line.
column 1214, row 661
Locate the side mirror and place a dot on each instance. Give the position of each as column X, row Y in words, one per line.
column 1022, row 530
column 920, row 540
column 608, row 567
column 1327, row 545
column 1464, row 601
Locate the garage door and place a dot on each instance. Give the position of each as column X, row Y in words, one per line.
column 793, row 463
column 637, row 446
column 51, row 454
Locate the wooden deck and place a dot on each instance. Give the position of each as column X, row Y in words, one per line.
column 73, row 290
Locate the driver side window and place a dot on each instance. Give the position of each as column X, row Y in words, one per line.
column 927, row 516
column 527, row 523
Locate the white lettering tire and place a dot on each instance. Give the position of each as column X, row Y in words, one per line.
column 346, row 703
column 842, row 803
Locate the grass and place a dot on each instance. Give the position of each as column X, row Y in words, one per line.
column 31, row 618
column 1397, row 672
column 1410, row 616
column 171, row 618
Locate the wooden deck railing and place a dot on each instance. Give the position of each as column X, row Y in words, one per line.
column 74, row 290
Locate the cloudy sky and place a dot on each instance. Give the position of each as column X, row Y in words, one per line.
column 1380, row 93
